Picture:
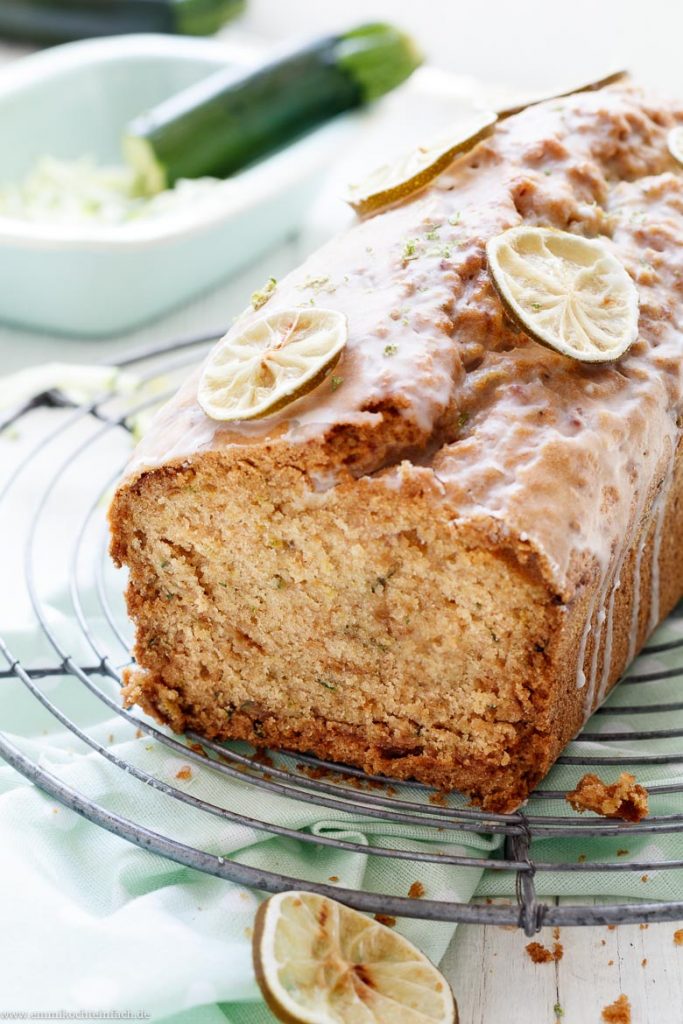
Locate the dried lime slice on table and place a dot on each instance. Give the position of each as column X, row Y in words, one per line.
column 318, row 962
column 414, row 170
column 258, row 369
column 565, row 291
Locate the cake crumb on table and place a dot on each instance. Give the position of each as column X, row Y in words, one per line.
column 184, row 773
column 678, row 937
column 618, row 1012
column 386, row 919
column 416, row 891
column 540, row 954
column 624, row 799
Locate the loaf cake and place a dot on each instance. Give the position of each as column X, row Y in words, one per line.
column 437, row 563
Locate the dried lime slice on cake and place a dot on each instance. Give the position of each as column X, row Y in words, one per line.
column 258, row 369
column 675, row 143
column 531, row 101
column 318, row 962
column 414, row 170
column 565, row 291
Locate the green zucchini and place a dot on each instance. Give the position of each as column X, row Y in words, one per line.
column 59, row 21
column 234, row 118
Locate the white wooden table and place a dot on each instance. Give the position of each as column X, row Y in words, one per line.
column 494, row 979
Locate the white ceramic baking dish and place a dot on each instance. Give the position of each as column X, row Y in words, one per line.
column 95, row 279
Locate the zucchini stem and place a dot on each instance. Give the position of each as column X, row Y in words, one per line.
column 378, row 57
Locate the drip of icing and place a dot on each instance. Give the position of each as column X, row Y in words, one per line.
column 635, row 608
column 654, row 576
column 323, row 481
column 600, row 621
column 596, row 695
column 609, row 636
column 587, row 629
column 659, row 513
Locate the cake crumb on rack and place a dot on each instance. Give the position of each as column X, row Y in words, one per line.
column 416, row 891
column 624, row 799
column 261, row 756
column 678, row 937
column 618, row 1012
column 540, row 954
column 386, row 919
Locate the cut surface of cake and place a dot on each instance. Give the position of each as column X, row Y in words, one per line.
column 436, row 563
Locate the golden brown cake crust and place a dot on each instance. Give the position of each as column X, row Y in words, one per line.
column 438, row 569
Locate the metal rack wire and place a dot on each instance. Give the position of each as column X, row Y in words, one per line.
column 90, row 644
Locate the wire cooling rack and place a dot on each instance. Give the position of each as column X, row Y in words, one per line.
column 71, row 466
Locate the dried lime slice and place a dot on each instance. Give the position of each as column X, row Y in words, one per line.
column 675, row 143
column 565, row 291
column 318, row 962
column 531, row 101
column 414, row 170
column 258, row 369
